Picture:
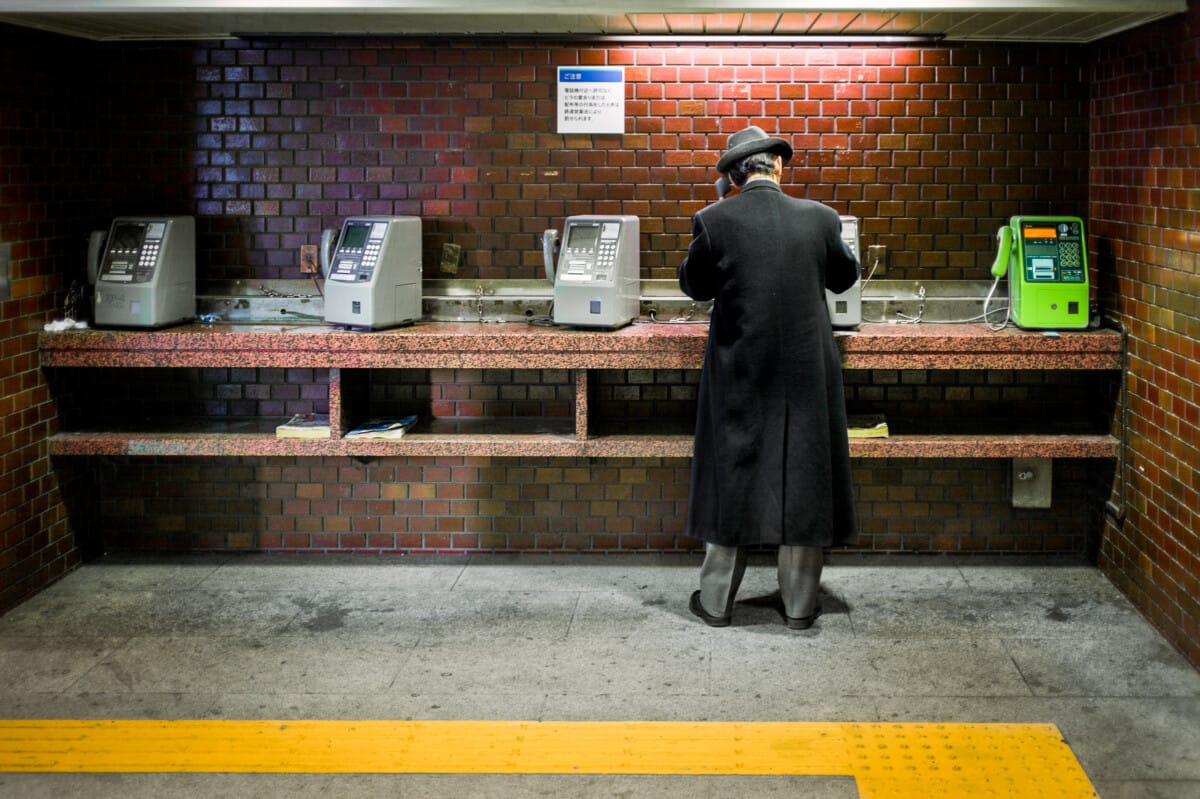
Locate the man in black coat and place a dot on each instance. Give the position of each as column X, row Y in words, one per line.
column 772, row 460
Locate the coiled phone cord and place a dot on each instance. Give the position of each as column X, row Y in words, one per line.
column 994, row 327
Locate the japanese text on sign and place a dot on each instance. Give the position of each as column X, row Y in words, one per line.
column 591, row 100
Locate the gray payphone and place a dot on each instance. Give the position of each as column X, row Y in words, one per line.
column 143, row 271
column 845, row 309
column 372, row 271
column 597, row 278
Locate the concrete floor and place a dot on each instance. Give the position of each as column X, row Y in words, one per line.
column 593, row 638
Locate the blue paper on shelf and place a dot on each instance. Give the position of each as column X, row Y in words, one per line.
column 383, row 428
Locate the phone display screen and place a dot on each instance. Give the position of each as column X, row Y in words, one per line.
column 583, row 238
column 355, row 236
column 126, row 238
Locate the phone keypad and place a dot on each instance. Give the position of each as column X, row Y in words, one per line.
column 608, row 254
column 1070, row 254
column 149, row 255
column 371, row 255
column 606, row 259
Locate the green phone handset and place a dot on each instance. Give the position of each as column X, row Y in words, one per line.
column 1004, row 242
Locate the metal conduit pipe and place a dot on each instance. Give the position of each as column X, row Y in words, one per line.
column 1116, row 510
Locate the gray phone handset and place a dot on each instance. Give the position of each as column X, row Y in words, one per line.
column 550, row 253
column 96, row 241
column 329, row 237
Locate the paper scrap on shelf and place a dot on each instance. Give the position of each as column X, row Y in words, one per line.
column 874, row 426
column 304, row 425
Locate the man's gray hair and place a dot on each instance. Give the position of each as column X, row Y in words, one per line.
column 757, row 164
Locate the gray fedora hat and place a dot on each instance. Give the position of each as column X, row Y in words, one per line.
column 750, row 141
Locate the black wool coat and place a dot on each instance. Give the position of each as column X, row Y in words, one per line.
column 772, row 461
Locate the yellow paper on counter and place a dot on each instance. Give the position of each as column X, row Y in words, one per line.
column 873, row 426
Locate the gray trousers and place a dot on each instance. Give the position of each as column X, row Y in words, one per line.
column 799, row 578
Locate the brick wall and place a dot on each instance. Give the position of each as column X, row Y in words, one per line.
column 563, row 505
column 548, row 505
column 269, row 142
column 932, row 147
column 48, row 190
column 1145, row 212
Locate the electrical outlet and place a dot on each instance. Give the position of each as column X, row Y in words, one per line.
column 1031, row 482
column 876, row 264
column 308, row 259
column 451, row 256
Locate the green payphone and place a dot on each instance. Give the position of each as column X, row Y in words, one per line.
column 1048, row 281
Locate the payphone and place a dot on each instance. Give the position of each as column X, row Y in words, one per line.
column 845, row 309
column 597, row 279
column 372, row 270
column 1045, row 258
column 143, row 271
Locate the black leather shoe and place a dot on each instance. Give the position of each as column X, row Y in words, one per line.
column 709, row 619
column 802, row 622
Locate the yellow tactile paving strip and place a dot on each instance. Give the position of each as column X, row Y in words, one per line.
column 888, row 761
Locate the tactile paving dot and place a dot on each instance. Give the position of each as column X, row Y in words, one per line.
column 964, row 760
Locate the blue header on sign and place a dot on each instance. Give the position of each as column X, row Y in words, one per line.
column 585, row 75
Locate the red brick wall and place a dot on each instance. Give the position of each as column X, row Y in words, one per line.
column 1145, row 216
column 47, row 187
column 932, row 147
column 269, row 142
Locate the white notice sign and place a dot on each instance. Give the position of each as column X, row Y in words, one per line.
column 591, row 99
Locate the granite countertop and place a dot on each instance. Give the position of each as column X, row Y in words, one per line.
column 644, row 345
column 451, row 345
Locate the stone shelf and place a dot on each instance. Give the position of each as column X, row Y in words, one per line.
column 458, row 345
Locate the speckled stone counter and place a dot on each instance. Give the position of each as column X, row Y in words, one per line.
column 962, row 346
column 467, row 345
column 455, row 345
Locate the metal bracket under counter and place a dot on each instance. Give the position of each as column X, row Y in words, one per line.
column 491, row 301
column 884, row 301
column 261, row 302
column 532, row 300
column 485, row 301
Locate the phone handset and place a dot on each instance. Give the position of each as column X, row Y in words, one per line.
column 549, row 250
column 95, row 251
column 1004, row 242
column 329, row 237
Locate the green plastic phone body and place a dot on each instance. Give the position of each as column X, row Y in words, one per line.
column 1045, row 258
